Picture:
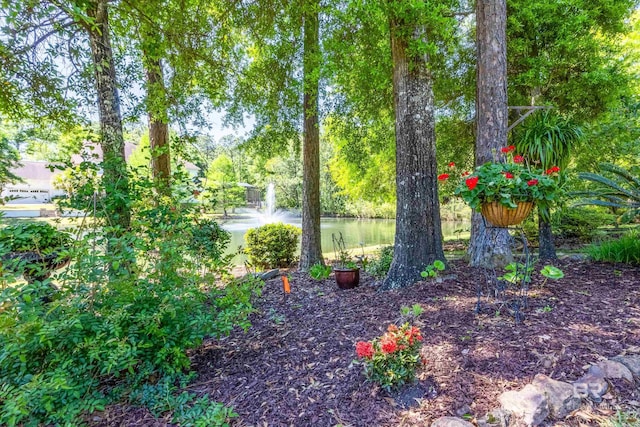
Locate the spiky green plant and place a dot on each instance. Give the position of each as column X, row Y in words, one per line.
column 616, row 187
column 546, row 141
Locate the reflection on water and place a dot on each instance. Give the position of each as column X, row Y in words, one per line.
column 356, row 232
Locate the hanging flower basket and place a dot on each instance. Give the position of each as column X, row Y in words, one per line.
column 504, row 216
column 505, row 192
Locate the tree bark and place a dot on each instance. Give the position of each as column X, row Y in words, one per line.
column 490, row 246
column 158, row 127
column 418, row 238
column 310, row 248
column 115, row 180
column 547, row 249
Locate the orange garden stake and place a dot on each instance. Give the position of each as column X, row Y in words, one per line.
column 285, row 285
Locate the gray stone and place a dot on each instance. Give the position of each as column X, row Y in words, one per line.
column 494, row 418
column 561, row 398
column 269, row 274
column 529, row 404
column 451, row 422
column 465, row 409
column 614, row 370
column 631, row 362
column 591, row 385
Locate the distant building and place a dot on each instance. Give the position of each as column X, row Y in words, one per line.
column 37, row 186
column 252, row 195
column 38, row 177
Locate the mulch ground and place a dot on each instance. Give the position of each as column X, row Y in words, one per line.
column 295, row 366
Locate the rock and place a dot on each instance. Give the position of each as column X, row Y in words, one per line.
column 465, row 409
column 269, row 274
column 592, row 384
column 411, row 395
column 451, row 422
column 574, row 257
column 614, row 370
column 528, row 404
column 494, row 418
column 631, row 362
column 561, row 397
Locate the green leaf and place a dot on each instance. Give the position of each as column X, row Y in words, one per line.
column 552, row 272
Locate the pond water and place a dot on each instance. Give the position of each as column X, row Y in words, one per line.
column 356, row 232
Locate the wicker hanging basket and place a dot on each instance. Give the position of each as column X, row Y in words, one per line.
column 503, row 216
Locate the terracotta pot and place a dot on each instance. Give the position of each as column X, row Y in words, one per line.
column 503, row 216
column 347, row 278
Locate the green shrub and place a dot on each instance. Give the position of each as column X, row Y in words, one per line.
column 208, row 243
column 272, row 245
column 579, row 223
column 380, row 265
column 33, row 236
column 571, row 223
column 33, row 250
column 120, row 320
column 185, row 407
column 626, row 249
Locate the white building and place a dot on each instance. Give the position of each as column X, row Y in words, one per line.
column 37, row 186
column 38, row 177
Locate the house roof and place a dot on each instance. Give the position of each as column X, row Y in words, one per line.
column 34, row 170
column 39, row 170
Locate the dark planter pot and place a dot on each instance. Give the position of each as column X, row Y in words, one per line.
column 37, row 267
column 347, row 278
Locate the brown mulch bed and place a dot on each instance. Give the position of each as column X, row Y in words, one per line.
column 295, row 365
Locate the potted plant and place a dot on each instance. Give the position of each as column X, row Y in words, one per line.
column 33, row 249
column 347, row 272
column 505, row 192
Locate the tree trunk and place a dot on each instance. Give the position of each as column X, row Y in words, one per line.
column 490, row 246
column 418, row 238
column 547, row 249
column 158, row 128
column 311, row 248
column 114, row 178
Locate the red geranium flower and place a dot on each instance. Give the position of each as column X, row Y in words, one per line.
column 508, row 149
column 554, row 169
column 388, row 344
column 364, row 349
column 518, row 159
column 443, row 177
column 532, row 182
column 471, row 182
column 451, row 164
column 466, row 173
column 508, row 175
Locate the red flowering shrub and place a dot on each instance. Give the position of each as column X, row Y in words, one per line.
column 364, row 349
column 392, row 359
